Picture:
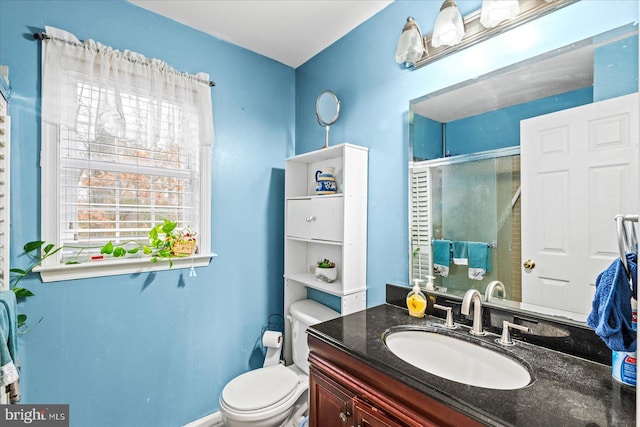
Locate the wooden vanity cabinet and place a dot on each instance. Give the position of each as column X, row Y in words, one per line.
column 366, row 415
column 344, row 391
column 333, row 404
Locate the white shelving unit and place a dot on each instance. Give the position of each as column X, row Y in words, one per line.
column 326, row 226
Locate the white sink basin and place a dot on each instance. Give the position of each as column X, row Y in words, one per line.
column 457, row 360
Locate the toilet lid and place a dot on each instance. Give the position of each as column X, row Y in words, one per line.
column 260, row 388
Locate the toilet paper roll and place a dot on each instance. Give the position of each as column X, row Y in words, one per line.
column 272, row 339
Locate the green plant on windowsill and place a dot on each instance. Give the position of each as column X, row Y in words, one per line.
column 164, row 242
column 36, row 254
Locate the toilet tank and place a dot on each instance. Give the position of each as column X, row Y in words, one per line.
column 306, row 313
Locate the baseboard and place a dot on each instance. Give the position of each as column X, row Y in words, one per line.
column 212, row 420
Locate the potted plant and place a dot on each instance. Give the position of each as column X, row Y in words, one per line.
column 164, row 242
column 326, row 271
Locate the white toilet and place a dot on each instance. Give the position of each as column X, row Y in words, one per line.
column 276, row 396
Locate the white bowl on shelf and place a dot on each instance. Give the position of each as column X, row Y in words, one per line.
column 327, row 275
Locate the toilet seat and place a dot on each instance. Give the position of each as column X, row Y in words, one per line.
column 259, row 389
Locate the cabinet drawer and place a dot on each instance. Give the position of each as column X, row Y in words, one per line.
column 316, row 219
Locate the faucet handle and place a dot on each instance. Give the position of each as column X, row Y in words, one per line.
column 448, row 323
column 505, row 339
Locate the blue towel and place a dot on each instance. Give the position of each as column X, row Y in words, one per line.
column 610, row 315
column 8, row 338
column 441, row 257
column 460, row 253
column 8, row 300
column 479, row 259
column 632, row 261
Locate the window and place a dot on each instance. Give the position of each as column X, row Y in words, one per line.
column 123, row 150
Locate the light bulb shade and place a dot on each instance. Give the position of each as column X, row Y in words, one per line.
column 410, row 46
column 449, row 29
column 495, row 11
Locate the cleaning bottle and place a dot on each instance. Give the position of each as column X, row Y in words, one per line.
column 416, row 301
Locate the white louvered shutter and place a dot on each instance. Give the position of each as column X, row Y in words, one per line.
column 420, row 226
column 5, row 158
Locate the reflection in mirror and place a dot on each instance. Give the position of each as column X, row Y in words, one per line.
column 471, row 198
column 465, row 164
column 327, row 111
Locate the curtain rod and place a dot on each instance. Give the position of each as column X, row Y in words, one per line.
column 45, row 36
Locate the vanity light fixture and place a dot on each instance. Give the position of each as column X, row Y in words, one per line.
column 411, row 46
column 495, row 11
column 449, row 29
column 452, row 33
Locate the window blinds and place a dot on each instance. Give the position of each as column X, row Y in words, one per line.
column 419, row 217
column 115, row 184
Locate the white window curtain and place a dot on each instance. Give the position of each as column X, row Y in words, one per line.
column 126, row 143
column 119, row 74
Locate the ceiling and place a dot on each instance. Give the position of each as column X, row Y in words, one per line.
column 288, row 31
column 522, row 83
column 560, row 71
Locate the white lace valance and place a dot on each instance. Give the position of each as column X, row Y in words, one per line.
column 120, row 79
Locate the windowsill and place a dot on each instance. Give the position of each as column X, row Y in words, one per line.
column 114, row 267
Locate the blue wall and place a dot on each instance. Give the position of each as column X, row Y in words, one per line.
column 615, row 74
column 614, row 63
column 501, row 128
column 155, row 349
column 426, row 135
column 375, row 93
column 488, row 131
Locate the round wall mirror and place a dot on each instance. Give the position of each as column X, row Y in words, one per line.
column 327, row 111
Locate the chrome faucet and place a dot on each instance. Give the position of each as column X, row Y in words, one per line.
column 505, row 339
column 469, row 296
column 448, row 323
column 491, row 287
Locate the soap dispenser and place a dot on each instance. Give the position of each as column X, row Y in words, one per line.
column 431, row 299
column 416, row 301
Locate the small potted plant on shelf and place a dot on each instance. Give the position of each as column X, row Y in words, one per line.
column 326, row 271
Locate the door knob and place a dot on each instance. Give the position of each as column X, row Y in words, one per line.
column 529, row 265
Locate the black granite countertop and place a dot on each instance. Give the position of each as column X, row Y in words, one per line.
column 566, row 390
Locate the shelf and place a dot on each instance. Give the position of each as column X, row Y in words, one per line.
column 331, row 226
column 320, row 242
column 315, row 196
column 309, row 280
column 324, row 154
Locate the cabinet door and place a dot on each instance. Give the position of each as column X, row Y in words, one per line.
column 316, row 219
column 330, row 405
column 298, row 218
column 366, row 415
column 328, row 219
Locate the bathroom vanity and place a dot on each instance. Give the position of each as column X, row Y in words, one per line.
column 355, row 380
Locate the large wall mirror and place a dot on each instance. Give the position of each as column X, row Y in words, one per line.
column 475, row 189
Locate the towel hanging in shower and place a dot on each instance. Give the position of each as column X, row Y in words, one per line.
column 479, row 260
column 441, row 257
